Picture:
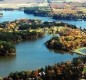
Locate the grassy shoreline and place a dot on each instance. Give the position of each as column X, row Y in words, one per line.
column 79, row 52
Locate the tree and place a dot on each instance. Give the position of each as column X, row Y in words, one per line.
column 6, row 48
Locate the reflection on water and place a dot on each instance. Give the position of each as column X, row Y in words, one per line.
column 5, row 62
column 60, row 51
column 7, row 58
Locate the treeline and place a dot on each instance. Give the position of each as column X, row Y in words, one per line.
column 7, row 49
column 69, row 17
column 18, row 36
column 62, row 16
column 7, row 39
column 25, row 29
column 37, row 12
column 45, row 24
column 71, row 70
column 55, row 44
column 16, row 31
column 24, row 24
column 66, row 43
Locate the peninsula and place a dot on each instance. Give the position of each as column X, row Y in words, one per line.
column 65, row 37
column 68, row 39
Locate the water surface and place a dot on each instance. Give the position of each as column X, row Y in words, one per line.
column 12, row 15
column 31, row 55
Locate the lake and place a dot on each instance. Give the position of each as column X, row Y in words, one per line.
column 12, row 15
column 31, row 55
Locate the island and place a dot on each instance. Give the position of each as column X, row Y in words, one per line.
column 38, row 11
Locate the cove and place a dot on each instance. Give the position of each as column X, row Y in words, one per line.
column 31, row 55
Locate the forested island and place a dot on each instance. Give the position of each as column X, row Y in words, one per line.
column 66, row 37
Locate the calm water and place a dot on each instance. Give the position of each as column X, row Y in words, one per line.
column 12, row 15
column 31, row 55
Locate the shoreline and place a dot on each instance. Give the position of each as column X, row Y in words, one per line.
column 44, row 72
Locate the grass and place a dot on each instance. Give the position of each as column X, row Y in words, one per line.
column 84, row 69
